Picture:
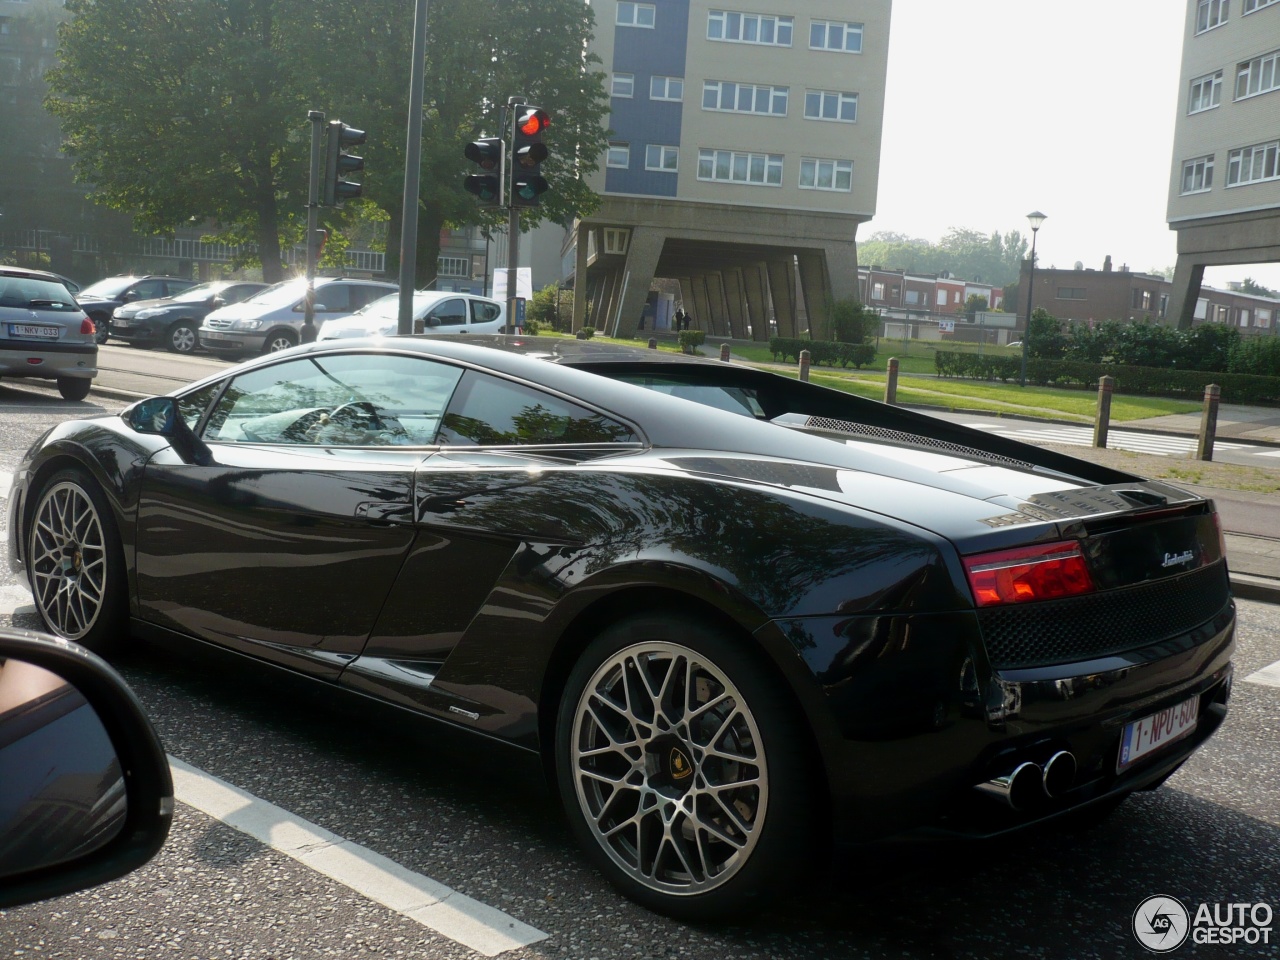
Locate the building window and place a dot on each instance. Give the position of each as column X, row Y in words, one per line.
column 1258, row 75
column 624, row 85
column 1242, row 318
column 1197, row 175
column 744, row 98
column 942, row 298
column 453, row 267
column 877, row 291
column 1210, row 14
column 619, row 155
column 730, row 166
column 1264, row 316
column 1252, row 5
column 637, row 15
column 830, row 105
column 1072, row 293
column 733, row 27
column 1141, row 300
column 1206, row 92
column 4, row 26
column 615, row 240
column 834, row 35
column 1253, row 164
column 913, row 296
column 826, row 174
column 1221, row 313
column 666, row 88
column 660, row 157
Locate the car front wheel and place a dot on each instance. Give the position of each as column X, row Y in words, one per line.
column 280, row 340
column 182, row 338
column 682, row 768
column 74, row 561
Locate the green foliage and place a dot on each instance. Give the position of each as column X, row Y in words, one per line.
column 996, row 259
column 1251, row 286
column 1044, row 337
column 823, row 351
column 1259, row 356
column 974, row 305
column 586, row 333
column 690, row 340
column 531, row 327
column 1207, row 347
column 552, row 307
column 851, row 322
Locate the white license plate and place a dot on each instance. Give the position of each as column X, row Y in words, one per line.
column 1144, row 737
column 120, row 322
column 216, row 336
column 34, row 330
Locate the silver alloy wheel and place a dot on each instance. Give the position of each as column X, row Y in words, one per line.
column 669, row 768
column 68, row 560
column 182, row 339
column 278, row 343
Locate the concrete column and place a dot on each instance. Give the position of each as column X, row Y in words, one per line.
column 701, row 303
column 581, row 288
column 842, row 270
column 817, row 292
column 719, row 308
column 607, row 305
column 1187, row 276
column 686, row 293
column 637, row 276
column 782, row 290
column 733, row 294
column 756, row 282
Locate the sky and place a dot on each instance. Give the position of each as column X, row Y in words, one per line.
column 996, row 108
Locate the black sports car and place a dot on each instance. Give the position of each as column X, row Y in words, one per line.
column 739, row 615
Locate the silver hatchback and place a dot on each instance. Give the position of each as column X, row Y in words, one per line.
column 44, row 333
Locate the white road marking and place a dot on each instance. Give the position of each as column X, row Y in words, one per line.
column 454, row 915
column 1270, row 453
column 1160, row 444
column 6, row 482
column 1267, row 676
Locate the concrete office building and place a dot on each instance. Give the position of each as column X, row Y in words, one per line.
column 744, row 153
column 1224, row 191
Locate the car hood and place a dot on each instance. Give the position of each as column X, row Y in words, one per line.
column 242, row 311
column 96, row 302
column 130, row 309
column 360, row 326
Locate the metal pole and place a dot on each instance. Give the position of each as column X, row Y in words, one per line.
column 308, row 333
column 412, row 172
column 513, row 221
column 1026, row 334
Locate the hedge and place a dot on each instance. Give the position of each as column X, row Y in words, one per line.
column 1153, row 381
column 823, row 351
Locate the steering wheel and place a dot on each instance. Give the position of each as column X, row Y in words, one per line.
column 360, row 411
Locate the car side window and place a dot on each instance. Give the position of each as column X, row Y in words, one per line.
column 360, row 295
column 239, row 292
column 450, row 313
column 336, row 400
column 489, row 411
column 482, row 312
column 336, row 297
column 192, row 406
column 149, row 289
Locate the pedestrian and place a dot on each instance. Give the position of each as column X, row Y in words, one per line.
column 679, row 318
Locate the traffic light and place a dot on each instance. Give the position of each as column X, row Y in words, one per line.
column 489, row 153
column 527, row 153
column 339, row 164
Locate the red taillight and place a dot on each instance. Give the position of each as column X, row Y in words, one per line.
column 1027, row 574
column 87, row 327
column 1222, row 539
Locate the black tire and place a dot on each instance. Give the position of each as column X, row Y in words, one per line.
column 101, row 327
column 709, row 810
column 278, row 340
column 74, row 388
column 75, row 564
column 182, row 337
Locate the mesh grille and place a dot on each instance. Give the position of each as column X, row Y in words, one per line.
column 1103, row 624
column 913, row 439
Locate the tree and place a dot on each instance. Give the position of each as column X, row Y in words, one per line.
column 995, row 259
column 974, row 305
column 851, row 322
column 1251, row 286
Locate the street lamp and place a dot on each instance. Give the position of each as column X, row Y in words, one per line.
column 1035, row 218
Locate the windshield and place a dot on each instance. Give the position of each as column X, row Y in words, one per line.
column 388, row 307
column 34, row 293
column 199, row 293
column 110, row 288
column 281, row 294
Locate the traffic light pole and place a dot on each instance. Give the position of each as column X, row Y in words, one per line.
column 412, row 172
column 313, row 211
column 513, row 224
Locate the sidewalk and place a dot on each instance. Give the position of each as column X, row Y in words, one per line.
column 1235, row 422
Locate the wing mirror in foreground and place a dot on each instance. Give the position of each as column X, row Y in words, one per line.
column 87, row 796
column 160, row 416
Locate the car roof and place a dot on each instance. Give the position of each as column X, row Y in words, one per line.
column 16, row 271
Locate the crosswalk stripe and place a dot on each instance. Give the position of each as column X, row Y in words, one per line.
column 1267, row 676
column 1116, row 439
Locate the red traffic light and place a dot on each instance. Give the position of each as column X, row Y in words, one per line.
column 533, row 121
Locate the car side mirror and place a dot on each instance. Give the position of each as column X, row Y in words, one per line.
column 432, row 321
column 160, row 417
column 87, row 796
column 129, row 296
column 216, row 301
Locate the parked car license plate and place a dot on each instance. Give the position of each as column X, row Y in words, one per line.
column 38, row 331
column 216, row 336
column 1144, row 737
column 117, row 322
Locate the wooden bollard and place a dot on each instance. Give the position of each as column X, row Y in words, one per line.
column 804, row 365
column 724, row 352
column 1208, row 422
column 1102, row 420
column 891, row 382
column 653, row 343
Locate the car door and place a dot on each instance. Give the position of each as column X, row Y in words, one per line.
column 286, row 542
column 450, row 316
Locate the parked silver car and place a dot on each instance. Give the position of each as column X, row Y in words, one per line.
column 44, row 333
column 272, row 320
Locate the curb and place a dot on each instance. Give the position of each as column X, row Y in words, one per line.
column 1248, row 587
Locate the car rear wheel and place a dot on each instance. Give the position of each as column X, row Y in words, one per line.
column 682, row 768
column 101, row 327
column 182, row 338
column 279, row 340
column 74, row 562
column 74, row 388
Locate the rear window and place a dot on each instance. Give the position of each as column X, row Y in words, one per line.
column 33, row 293
column 741, row 400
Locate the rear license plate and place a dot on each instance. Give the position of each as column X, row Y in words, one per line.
column 1150, row 734
column 34, row 331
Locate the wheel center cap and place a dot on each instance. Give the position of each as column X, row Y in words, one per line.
column 669, row 766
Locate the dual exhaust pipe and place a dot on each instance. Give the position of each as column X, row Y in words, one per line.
column 1027, row 783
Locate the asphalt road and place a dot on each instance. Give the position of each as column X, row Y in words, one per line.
column 479, row 819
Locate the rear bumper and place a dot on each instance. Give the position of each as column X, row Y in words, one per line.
column 48, row 360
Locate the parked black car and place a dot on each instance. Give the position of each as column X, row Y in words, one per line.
column 173, row 321
column 100, row 300
column 738, row 616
